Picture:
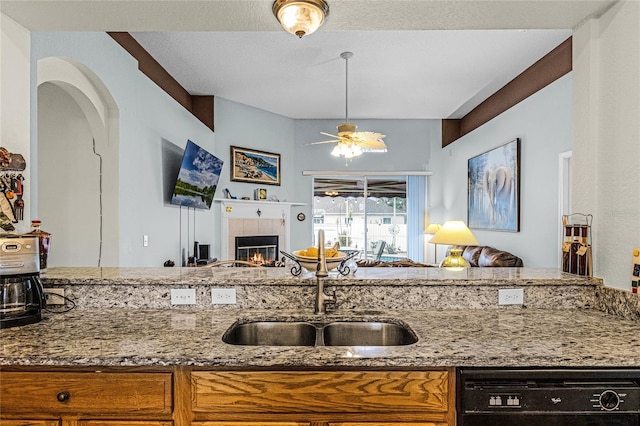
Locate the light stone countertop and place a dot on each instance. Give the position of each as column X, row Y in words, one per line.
column 124, row 318
column 140, row 337
column 282, row 276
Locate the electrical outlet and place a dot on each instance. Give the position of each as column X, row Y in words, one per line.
column 54, row 296
column 513, row 296
column 183, row 296
column 145, row 241
column 223, row 296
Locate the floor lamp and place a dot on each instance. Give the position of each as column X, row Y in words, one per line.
column 432, row 229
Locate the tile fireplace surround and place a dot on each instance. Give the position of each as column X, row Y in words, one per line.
column 249, row 218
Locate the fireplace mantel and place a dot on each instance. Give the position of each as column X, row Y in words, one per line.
column 247, row 217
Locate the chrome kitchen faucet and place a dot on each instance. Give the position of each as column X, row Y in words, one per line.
column 321, row 273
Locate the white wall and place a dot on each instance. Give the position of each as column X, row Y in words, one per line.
column 543, row 124
column 408, row 143
column 606, row 153
column 68, row 183
column 154, row 129
column 14, row 102
column 248, row 127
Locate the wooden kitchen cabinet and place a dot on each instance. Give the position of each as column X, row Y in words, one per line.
column 235, row 423
column 122, row 423
column 323, row 398
column 83, row 398
column 386, row 424
column 182, row 397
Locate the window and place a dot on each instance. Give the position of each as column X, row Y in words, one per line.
column 359, row 212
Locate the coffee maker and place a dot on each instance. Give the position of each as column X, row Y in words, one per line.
column 22, row 296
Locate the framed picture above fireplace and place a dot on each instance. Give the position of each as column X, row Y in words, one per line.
column 253, row 166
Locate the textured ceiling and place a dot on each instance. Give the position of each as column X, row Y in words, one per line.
column 413, row 58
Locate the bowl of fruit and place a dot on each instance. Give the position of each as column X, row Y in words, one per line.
column 308, row 258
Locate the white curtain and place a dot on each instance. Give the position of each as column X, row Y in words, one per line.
column 416, row 208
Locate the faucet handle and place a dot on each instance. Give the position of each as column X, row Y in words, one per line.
column 331, row 297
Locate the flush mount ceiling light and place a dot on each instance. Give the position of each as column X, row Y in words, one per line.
column 349, row 142
column 300, row 17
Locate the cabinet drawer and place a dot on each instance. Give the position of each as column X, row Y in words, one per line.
column 80, row 393
column 29, row 423
column 318, row 392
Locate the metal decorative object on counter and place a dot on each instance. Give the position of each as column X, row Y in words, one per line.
column 296, row 269
column 576, row 248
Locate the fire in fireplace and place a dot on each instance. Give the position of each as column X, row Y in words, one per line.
column 258, row 249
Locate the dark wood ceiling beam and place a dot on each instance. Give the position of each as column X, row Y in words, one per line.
column 545, row 71
column 200, row 106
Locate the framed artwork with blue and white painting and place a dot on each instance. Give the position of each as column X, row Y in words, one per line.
column 250, row 165
column 494, row 189
column 197, row 179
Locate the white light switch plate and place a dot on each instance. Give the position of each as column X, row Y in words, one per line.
column 223, row 296
column 513, row 296
column 183, row 296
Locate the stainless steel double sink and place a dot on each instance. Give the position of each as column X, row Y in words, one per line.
column 319, row 333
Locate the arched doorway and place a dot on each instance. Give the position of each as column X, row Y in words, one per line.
column 77, row 164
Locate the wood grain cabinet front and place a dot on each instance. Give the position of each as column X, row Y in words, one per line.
column 326, row 398
column 386, row 424
column 87, row 395
column 122, row 423
column 236, row 423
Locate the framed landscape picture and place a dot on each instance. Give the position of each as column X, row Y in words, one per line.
column 250, row 165
column 493, row 200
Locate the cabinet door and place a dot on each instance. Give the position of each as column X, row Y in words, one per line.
column 288, row 392
column 29, row 423
column 123, row 423
column 386, row 424
column 250, row 424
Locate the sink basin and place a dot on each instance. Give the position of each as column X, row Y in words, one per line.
column 360, row 333
column 329, row 333
column 271, row 333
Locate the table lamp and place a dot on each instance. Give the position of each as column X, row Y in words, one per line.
column 431, row 230
column 455, row 233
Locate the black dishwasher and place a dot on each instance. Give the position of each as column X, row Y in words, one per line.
column 548, row 397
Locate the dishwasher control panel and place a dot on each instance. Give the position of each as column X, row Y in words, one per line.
column 546, row 391
column 488, row 399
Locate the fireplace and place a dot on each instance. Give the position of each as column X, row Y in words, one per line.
column 258, row 249
column 241, row 218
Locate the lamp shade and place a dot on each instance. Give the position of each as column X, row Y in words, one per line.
column 456, row 233
column 300, row 17
column 432, row 228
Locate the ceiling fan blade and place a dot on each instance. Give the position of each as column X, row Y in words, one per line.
column 373, row 146
column 369, row 135
column 321, row 142
column 370, row 141
column 329, row 134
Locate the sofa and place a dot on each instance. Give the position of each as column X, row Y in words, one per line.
column 487, row 256
column 482, row 256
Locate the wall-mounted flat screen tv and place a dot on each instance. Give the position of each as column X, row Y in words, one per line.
column 197, row 179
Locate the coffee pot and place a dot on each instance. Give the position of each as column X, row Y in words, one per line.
column 22, row 296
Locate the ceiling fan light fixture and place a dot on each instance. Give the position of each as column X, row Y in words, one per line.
column 300, row 17
column 346, row 150
column 349, row 142
column 346, row 129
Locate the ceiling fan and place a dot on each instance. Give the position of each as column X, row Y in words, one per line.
column 350, row 143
